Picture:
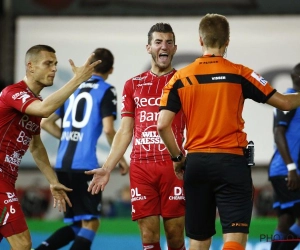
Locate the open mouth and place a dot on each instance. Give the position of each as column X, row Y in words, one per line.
column 163, row 56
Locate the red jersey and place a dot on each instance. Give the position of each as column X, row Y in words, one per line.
column 16, row 128
column 140, row 100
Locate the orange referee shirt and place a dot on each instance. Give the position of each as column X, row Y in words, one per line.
column 211, row 92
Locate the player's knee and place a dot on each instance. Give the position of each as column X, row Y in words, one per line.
column 149, row 236
column 22, row 245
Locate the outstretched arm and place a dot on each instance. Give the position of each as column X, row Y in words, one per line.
column 46, row 107
column 40, row 157
column 109, row 130
column 119, row 146
column 285, row 101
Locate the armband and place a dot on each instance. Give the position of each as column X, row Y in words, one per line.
column 291, row 166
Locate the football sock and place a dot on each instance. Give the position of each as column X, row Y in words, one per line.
column 277, row 236
column 61, row 237
column 232, row 245
column 152, row 246
column 290, row 244
column 83, row 240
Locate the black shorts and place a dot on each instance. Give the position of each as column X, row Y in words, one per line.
column 217, row 180
column 85, row 205
column 283, row 197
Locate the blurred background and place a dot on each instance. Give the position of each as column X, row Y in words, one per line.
column 264, row 36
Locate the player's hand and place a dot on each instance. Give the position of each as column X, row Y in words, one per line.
column 84, row 72
column 179, row 168
column 60, row 196
column 293, row 181
column 99, row 181
column 123, row 166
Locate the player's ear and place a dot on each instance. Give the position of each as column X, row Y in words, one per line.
column 30, row 67
column 148, row 48
column 201, row 41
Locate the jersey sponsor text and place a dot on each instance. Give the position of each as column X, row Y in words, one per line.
column 72, row 136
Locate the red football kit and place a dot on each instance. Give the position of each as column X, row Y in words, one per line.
column 155, row 190
column 16, row 131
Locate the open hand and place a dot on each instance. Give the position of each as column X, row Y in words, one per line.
column 84, row 72
column 60, row 196
column 99, row 181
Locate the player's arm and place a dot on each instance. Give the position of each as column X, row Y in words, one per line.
column 119, row 146
column 46, row 107
column 109, row 130
column 49, row 124
column 285, row 101
column 164, row 127
column 283, row 148
column 41, row 159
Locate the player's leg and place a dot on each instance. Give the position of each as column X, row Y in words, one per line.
column 86, row 234
column 86, row 207
column 174, row 229
column 200, row 244
column 20, row 241
column 200, row 201
column 150, row 231
column 64, row 235
column 172, row 205
column 285, row 220
column 61, row 237
column 234, row 197
column 293, row 234
column 145, row 201
column 288, row 207
column 13, row 226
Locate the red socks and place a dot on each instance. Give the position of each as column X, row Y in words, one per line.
column 152, row 246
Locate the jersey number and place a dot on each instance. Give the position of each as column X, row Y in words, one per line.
column 72, row 109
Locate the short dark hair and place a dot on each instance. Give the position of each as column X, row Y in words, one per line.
column 296, row 74
column 36, row 49
column 160, row 27
column 107, row 59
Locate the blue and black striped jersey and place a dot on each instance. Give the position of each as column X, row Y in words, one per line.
column 81, row 117
column 291, row 120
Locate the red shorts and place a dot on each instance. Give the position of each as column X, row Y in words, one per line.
column 12, row 219
column 155, row 190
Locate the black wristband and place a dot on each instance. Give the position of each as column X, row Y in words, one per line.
column 177, row 158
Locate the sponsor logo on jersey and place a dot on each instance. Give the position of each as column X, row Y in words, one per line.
column 89, row 85
column 14, row 159
column 178, row 194
column 144, row 102
column 11, row 198
column 218, row 78
column 144, row 84
column 26, row 123
column 23, row 138
column 21, row 95
column 149, row 137
column 136, row 196
column 72, row 136
column 139, row 78
column 259, row 78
